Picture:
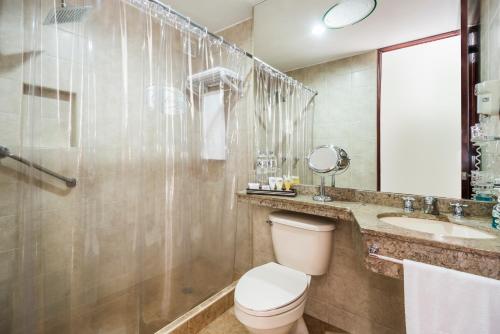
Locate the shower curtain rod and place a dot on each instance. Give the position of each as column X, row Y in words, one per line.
column 249, row 55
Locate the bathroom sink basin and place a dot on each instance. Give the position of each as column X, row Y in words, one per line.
column 440, row 228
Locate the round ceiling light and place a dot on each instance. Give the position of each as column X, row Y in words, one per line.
column 348, row 12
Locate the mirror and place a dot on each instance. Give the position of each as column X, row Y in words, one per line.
column 327, row 160
column 395, row 89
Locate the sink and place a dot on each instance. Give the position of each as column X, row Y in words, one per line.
column 440, row 228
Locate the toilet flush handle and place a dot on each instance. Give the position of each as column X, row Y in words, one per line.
column 269, row 222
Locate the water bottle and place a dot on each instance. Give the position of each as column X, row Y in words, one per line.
column 261, row 168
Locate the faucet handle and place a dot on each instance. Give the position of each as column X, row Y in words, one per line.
column 429, row 199
column 408, row 204
column 458, row 209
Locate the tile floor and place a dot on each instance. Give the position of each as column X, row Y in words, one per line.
column 228, row 324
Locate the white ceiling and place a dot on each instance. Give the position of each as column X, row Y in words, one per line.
column 214, row 14
column 283, row 29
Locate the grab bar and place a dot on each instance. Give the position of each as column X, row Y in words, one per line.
column 5, row 153
column 373, row 252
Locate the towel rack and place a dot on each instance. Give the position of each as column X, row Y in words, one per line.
column 5, row 153
column 373, row 252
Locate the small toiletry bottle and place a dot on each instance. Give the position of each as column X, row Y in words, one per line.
column 279, row 183
column 495, row 216
column 272, row 182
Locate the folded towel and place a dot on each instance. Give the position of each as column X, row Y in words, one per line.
column 445, row 301
column 214, row 126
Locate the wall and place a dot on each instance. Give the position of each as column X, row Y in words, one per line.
column 346, row 113
column 349, row 296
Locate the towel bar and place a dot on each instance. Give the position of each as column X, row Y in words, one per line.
column 373, row 250
column 5, row 153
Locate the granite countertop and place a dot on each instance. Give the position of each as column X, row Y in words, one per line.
column 478, row 256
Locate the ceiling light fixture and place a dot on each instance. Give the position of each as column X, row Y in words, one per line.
column 348, row 12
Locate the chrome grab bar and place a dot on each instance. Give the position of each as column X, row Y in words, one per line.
column 5, row 153
column 373, row 252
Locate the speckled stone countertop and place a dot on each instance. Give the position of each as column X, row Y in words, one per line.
column 476, row 256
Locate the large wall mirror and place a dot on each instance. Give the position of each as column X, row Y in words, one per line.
column 395, row 87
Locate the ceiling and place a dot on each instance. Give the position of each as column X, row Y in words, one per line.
column 283, row 29
column 214, row 14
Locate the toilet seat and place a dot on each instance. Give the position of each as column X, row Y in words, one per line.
column 271, row 289
column 276, row 311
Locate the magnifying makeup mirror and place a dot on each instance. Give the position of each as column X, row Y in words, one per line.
column 327, row 160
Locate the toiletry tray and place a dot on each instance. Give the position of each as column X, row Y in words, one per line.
column 285, row 193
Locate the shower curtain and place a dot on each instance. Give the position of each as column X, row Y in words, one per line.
column 159, row 123
column 149, row 114
column 282, row 130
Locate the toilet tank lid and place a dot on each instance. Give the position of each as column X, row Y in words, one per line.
column 301, row 220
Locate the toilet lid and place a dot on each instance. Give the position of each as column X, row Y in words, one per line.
column 269, row 287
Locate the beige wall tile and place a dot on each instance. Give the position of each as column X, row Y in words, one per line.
column 345, row 113
column 9, row 233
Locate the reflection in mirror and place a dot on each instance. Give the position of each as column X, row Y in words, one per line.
column 327, row 160
column 395, row 89
column 323, row 159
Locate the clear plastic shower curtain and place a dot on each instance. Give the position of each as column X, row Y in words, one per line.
column 282, row 129
column 131, row 101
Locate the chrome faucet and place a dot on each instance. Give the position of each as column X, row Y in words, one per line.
column 458, row 209
column 430, row 206
column 408, row 204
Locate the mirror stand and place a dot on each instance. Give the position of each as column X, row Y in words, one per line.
column 327, row 160
column 322, row 197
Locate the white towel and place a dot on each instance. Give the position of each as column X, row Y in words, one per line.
column 214, row 126
column 445, row 301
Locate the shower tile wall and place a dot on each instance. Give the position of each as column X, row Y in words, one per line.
column 345, row 113
column 88, row 275
column 55, row 222
column 11, row 28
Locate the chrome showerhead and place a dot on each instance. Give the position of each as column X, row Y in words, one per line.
column 66, row 14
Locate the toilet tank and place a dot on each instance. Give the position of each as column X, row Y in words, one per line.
column 302, row 242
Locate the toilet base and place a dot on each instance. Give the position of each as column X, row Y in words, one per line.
column 298, row 327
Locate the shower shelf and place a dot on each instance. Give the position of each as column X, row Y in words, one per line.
column 479, row 142
column 213, row 77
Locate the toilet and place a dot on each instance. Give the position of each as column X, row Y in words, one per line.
column 270, row 299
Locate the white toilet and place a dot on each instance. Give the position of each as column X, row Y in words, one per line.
column 271, row 298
